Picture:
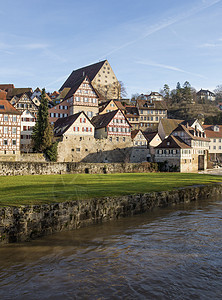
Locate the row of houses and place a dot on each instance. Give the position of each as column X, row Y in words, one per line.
column 179, row 145
column 90, row 126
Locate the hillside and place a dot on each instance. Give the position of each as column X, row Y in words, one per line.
column 193, row 110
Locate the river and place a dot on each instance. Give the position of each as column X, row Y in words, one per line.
column 172, row 253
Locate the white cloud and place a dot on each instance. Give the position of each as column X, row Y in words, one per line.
column 34, row 46
column 168, row 67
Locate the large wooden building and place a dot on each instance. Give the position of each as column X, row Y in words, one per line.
column 10, row 127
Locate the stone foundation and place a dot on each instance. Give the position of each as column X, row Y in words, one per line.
column 18, row 224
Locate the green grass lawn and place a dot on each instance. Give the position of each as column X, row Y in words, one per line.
column 42, row 189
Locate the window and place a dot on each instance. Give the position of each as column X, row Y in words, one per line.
column 14, row 119
column 77, row 149
column 13, row 130
column 14, row 142
column 117, row 139
column 90, row 114
column 5, row 129
column 6, row 118
column 214, row 140
column 110, row 139
column 124, row 139
column 5, row 142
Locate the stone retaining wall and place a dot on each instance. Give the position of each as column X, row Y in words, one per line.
column 23, row 223
column 41, row 168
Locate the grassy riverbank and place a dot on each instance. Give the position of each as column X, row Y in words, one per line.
column 42, row 189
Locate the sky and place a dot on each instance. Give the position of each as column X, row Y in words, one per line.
column 148, row 43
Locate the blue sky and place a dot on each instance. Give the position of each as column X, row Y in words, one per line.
column 148, row 43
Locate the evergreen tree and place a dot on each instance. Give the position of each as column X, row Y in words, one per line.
column 166, row 92
column 177, row 94
column 42, row 132
column 187, row 92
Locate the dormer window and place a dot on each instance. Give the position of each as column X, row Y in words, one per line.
column 216, row 128
column 168, row 143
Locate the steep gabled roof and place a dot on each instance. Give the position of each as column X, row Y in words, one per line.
column 188, row 122
column 75, row 87
column 7, row 108
column 103, row 120
column 118, row 104
column 169, row 125
column 63, row 124
column 173, row 142
column 149, row 135
column 205, row 92
column 76, row 75
column 134, row 133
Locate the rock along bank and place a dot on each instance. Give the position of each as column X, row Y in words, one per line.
column 18, row 224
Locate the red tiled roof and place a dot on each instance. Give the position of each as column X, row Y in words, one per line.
column 3, row 95
column 7, row 108
column 210, row 133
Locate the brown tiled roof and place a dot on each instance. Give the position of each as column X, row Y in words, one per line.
column 145, row 104
column 63, row 93
column 172, row 142
column 131, row 111
column 149, row 135
column 75, row 87
column 76, row 75
column 103, row 120
column 119, row 104
column 18, row 91
column 190, row 131
column 210, row 133
column 7, row 108
column 6, row 86
column 134, row 133
column 63, row 124
column 169, row 125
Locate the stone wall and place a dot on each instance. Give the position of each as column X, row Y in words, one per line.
column 23, row 223
column 47, row 168
column 36, row 157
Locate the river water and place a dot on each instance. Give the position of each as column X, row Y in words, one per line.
column 172, row 253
